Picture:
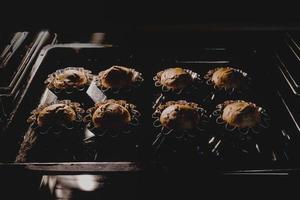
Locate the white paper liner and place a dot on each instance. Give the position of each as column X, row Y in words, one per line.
column 95, row 93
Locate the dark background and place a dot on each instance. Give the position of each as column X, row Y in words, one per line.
column 120, row 15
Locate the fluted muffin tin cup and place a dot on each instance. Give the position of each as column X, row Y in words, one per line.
column 75, row 93
column 98, row 132
column 174, row 147
column 63, row 129
column 94, row 146
column 234, row 136
column 165, row 132
column 216, row 95
column 116, row 93
column 66, row 136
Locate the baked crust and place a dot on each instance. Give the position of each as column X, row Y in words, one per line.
column 69, row 79
column 56, row 114
column 227, row 77
column 180, row 115
column 117, row 77
column 175, row 78
column 241, row 114
column 111, row 115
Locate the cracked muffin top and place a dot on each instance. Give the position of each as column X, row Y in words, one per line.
column 56, row 114
column 175, row 78
column 111, row 114
column 117, row 77
column 241, row 114
column 227, row 78
column 180, row 115
column 69, row 78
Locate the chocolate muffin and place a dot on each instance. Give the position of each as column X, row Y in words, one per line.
column 112, row 115
column 175, row 79
column 54, row 134
column 241, row 114
column 118, row 77
column 227, row 78
column 70, row 78
column 114, row 125
column 182, row 131
column 57, row 114
column 179, row 115
column 242, row 130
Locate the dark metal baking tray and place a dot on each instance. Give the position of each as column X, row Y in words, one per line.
column 265, row 94
column 149, row 61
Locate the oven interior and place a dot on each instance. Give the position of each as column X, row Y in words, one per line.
column 270, row 57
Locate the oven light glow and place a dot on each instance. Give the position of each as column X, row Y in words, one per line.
column 87, row 182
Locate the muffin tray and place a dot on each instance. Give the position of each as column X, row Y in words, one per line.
column 279, row 152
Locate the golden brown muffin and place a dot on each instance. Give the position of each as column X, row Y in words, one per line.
column 241, row 114
column 227, row 77
column 117, row 77
column 175, row 78
column 179, row 115
column 56, row 114
column 69, row 78
column 111, row 115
